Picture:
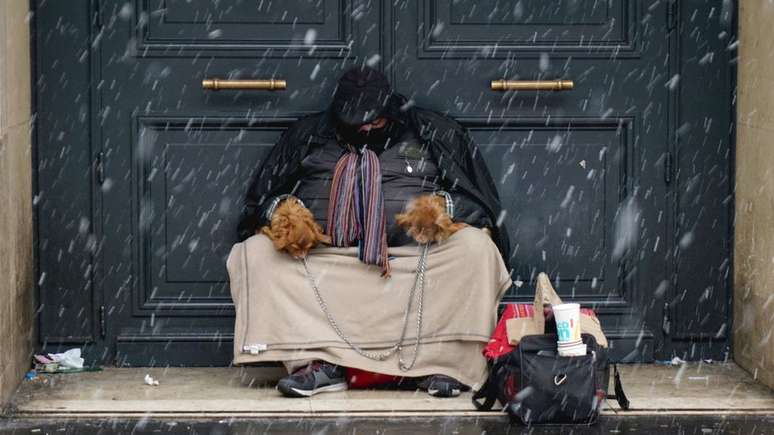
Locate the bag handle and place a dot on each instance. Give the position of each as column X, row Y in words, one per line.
column 488, row 391
column 487, row 394
column 544, row 293
column 619, row 396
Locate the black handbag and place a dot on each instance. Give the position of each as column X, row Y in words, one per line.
column 537, row 386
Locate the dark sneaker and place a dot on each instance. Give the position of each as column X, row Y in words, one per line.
column 442, row 386
column 317, row 377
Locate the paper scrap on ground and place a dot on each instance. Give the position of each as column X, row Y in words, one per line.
column 70, row 359
column 676, row 361
column 150, row 381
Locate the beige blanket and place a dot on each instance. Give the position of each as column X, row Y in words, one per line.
column 278, row 317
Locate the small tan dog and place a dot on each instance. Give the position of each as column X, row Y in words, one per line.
column 294, row 230
column 426, row 220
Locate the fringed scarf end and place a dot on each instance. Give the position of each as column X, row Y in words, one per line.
column 356, row 207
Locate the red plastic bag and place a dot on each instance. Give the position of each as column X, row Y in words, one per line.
column 361, row 379
column 498, row 344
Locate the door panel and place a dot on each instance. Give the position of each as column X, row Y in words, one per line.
column 561, row 192
column 65, row 241
column 191, row 185
column 170, row 28
column 699, row 322
column 466, row 26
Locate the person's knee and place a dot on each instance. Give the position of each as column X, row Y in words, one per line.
column 260, row 243
column 475, row 240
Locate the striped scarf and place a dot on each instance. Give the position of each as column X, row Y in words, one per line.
column 356, row 207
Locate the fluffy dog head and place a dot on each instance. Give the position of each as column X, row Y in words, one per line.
column 293, row 229
column 426, row 220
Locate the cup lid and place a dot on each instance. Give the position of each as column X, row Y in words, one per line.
column 566, row 306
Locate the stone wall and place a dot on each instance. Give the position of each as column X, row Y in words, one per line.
column 754, row 238
column 16, row 261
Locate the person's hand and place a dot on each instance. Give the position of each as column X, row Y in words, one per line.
column 294, row 230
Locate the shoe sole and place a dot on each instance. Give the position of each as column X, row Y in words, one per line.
column 297, row 392
column 438, row 393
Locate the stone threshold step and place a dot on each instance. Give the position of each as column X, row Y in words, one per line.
column 355, row 415
column 249, row 392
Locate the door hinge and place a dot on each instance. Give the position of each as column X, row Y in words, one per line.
column 668, row 164
column 99, row 168
column 673, row 13
column 102, row 331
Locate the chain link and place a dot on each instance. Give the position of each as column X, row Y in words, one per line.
column 417, row 289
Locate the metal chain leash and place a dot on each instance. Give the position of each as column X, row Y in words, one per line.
column 420, row 278
column 419, row 284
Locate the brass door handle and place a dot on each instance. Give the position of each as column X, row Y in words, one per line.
column 531, row 85
column 216, row 84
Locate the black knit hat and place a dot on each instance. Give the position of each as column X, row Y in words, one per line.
column 361, row 96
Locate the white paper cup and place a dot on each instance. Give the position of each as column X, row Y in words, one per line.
column 567, row 344
column 567, row 318
column 579, row 350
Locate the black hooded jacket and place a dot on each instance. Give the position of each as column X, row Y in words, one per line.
column 463, row 171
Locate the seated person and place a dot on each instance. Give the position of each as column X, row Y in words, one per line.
column 342, row 264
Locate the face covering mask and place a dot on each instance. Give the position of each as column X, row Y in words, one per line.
column 375, row 136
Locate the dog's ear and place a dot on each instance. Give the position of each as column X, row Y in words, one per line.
column 456, row 226
column 296, row 239
column 308, row 218
column 439, row 201
column 278, row 231
column 407, row 218
column 443, row 219
column 274, row 236
column 319, row 235
column 402, row 219
column 280, row 240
